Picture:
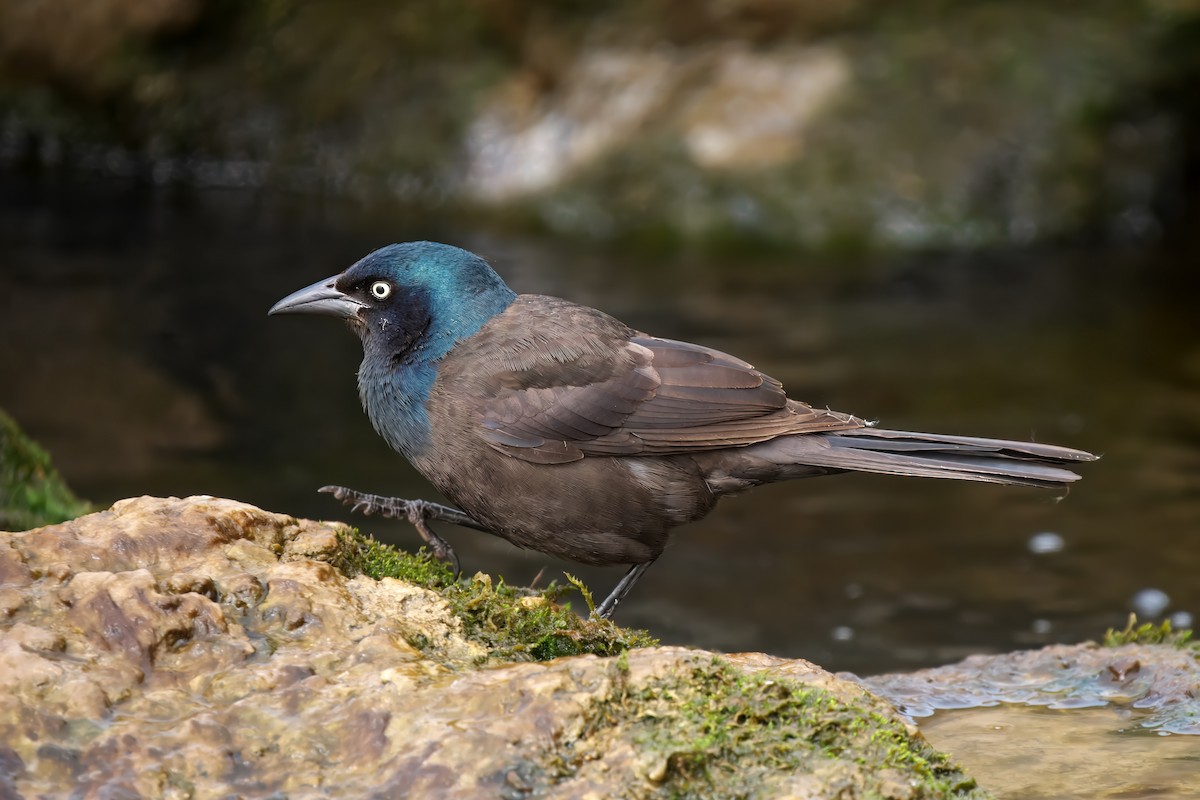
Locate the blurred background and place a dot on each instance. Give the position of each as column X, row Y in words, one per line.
column 973, row 218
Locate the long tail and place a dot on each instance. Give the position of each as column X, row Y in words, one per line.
column 926, row 455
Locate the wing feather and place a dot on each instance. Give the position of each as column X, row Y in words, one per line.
column 636, row 395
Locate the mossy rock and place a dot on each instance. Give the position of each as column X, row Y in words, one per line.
column 31, row 492
column 715, row 730
column 512, row 623
column 1148, row 633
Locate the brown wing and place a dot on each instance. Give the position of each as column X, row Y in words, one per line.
column 650, row 396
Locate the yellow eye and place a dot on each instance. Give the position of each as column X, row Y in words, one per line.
column 381, row 290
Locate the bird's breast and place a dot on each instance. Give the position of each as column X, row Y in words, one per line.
column 396, row 399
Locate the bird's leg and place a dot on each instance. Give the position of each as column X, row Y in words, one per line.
column 397, row 507
column 418, row 512
column 605, row 609
column 441, row 549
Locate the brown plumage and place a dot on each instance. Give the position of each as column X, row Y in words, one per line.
column 563, row 430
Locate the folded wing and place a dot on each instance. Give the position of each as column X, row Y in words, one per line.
column 652, row 396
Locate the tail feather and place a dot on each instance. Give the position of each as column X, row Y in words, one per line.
column 929, row 455
column 883, row 439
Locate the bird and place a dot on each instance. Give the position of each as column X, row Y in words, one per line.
column 564, row 431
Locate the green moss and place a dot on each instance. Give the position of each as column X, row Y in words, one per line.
column 359, row 554
column 717, row 732
column 31, row 492
column 513, row 623
column 1149, row 633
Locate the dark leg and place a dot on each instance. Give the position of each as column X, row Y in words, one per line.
column 415, row 511
column 398, row 508
column 605, row 609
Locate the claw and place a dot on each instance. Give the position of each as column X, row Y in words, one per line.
column 417, row 512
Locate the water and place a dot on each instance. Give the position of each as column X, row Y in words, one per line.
column 1030, row 753
column 134, row 345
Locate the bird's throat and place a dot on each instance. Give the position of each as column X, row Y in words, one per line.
column 395, row 397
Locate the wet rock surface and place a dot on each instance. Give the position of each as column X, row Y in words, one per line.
column 1069, row 722
column 1036, row 753
column 198, row 647
column 1156, row 684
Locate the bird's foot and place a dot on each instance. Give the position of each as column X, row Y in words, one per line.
column 440, row 548
column 606, row 608
column 418, row 512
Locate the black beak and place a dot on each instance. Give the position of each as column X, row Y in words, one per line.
column 323, row 297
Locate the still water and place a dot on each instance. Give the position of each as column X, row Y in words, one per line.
column 134, row 344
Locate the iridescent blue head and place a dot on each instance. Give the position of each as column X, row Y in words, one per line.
column 410, row 304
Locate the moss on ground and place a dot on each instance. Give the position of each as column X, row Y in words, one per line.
column 716, row 731
column 1149, row 633
column 31, row 492
column 513, row 623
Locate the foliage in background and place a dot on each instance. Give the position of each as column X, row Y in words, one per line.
column 31, row 492
column 960, row 125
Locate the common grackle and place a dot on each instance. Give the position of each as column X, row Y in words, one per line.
column 565, row 431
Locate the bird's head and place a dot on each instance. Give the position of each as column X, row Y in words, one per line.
column 412, row 300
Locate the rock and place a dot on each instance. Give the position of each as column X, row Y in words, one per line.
column 1066, row 721
column 202, row 647
column 523, row 143
column 740, row 110
column 1158, row 680
column 755, row 110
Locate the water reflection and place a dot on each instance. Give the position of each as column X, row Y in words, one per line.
column 136, row 347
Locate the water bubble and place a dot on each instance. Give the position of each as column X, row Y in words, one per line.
column 1045, row 542
column 842, row 633
column 1150, row 602
column 1181, row 619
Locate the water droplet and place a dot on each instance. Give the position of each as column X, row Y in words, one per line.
column 1181, row 619
column 1045, row 542
column 1042, row 626
column 1150, row 602
column 842, row 633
